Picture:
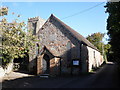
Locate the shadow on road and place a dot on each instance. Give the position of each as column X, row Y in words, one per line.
column 105, row 77
column 38, row 82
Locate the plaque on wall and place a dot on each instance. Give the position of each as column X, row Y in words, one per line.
column 76, row 62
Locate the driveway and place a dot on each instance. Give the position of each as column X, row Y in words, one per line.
column 106, row 77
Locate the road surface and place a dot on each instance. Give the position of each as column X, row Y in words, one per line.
column 106, row 77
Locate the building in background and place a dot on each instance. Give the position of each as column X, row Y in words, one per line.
column 60, row 49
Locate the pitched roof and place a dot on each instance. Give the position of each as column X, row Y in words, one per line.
column 75, row 34
column 53, row 52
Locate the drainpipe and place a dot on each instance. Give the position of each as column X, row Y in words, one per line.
column 80, row 61
column 60, row 66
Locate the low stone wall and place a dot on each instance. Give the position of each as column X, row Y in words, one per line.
column 5, row 70
column 2, row 72
column 9, row 68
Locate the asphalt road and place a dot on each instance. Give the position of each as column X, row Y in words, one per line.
column 106, row 77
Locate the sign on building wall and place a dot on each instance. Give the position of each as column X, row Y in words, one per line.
column 75, row 62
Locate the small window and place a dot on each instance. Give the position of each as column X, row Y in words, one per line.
column 34, row 25
column 37, row 49
column 94, row 53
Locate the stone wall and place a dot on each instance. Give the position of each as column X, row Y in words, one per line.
column 62, row 43
column 6, row 70
column 9, row 68
column 55, row 37
column 2, row 73
column 55, row 66
column 34, row 24
column 39, row 64
column 95, row 58
column 91, row 58
column 84, row 58
column 32, row 63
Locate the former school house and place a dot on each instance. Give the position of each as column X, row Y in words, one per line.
column 62, row 50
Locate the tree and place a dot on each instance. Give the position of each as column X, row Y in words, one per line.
column 16, row 40
column 3, row 11
column 96, row 40
column 113, row 27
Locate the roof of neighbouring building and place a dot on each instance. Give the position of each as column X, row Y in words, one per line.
column 75, row 34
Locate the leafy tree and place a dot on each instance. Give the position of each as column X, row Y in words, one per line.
column 113, row 27
column 16, row 40
column 96, row 40
column 3, row 11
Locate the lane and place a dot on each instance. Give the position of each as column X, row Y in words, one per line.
column 106, row 77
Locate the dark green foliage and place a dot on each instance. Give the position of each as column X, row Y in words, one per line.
column 3, row 11
column 113, row 27
column 96, row 40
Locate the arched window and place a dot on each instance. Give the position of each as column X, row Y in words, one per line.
column 34, row 25
column 37, row 49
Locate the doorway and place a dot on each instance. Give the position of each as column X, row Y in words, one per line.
column 46, row 64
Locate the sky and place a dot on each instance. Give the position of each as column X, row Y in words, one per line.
column 88, row 22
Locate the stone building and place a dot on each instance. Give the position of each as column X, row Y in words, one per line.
column 61, row 50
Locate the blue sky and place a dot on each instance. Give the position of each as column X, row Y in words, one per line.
column 86, row 23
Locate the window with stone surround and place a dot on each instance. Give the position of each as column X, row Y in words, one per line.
column 34, row 28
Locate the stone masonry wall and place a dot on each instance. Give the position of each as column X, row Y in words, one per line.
column 84, row 57
column 91, row 58
column 55, row 37
column 34, row 24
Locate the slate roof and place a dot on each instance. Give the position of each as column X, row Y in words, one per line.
column 75, row 34
column 53, row 52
